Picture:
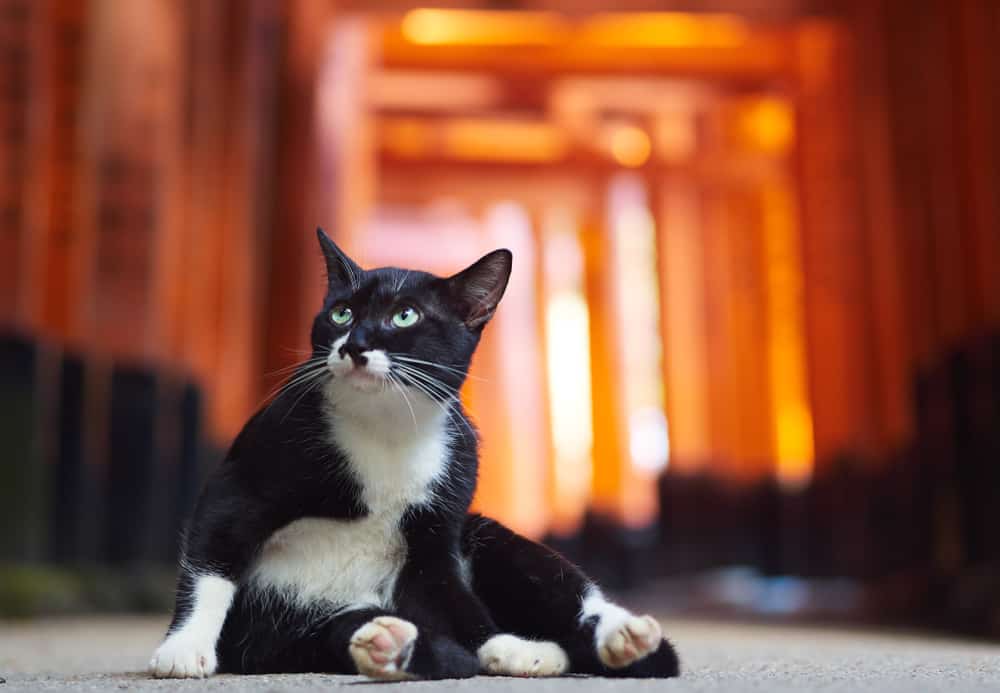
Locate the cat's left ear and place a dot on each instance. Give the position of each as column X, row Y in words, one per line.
column 340, row 269
column 478, row 288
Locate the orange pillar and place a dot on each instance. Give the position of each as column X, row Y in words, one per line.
column 126, row 169
column 788, row 366
column 681, row 234
column 836, row 292
column 886, row 237
column 295, row 274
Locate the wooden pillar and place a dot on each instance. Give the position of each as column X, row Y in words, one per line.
column 59, row 273
column 788, row 367
column 718, row 330
column 749, row 322
column 885, row 237
column 975, row 31
column 838, row 321
column 296, row 277
column 220, row 288
column 681, row 234
column 131, row 110
column 20, row 23
column 610, row 431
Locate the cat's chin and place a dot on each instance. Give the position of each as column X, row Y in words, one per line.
column 362, row 381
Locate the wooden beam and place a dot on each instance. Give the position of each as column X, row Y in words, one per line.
column 764, row 10
column 764, row 55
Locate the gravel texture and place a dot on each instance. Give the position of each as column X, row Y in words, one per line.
column 109, row 654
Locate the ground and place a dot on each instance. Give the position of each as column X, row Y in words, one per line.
column 110, row 654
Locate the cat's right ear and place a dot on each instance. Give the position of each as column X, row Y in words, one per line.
column 477, row 289
column 340, row 269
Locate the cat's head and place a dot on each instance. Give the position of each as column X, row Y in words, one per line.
column 390, row 327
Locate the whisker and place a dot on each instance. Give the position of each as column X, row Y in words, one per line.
column 399, row 387
column 430, row 380
column 451, row 369
column 303, row 374
column 299, row 378
column 437, row 391
column 295, row 366
column 319, row 379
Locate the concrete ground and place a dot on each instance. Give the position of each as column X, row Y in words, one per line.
column 111, row 653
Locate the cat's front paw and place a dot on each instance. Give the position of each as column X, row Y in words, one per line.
column 630, row 641
column 183, row 657
column 509, row 655
column 382, row 648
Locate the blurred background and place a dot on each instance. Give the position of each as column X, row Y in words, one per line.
column 749, row 361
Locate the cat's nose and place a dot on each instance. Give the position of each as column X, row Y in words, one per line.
column 355, row 352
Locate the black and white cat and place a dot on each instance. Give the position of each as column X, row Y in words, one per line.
column 335, row 537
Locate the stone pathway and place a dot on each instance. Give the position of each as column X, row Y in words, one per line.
column 109, row 654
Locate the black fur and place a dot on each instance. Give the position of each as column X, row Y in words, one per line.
column 282, row 468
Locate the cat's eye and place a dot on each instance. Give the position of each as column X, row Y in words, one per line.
column 405, row 317
column 341, row 315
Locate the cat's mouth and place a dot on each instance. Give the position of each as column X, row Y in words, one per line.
column 365, row 371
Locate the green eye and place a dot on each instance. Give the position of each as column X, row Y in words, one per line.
column 341, row 315
column 405, row 317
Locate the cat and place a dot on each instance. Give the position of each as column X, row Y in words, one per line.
column 336, row 535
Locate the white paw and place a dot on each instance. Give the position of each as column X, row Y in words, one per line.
column 509, row 655
column 183, row 657
column 633, row 639
column 382, row 648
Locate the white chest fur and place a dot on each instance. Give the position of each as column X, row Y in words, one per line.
column 395, row 457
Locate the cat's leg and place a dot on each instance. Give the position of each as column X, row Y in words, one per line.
column 266, row 634
column 226, row 530
column 534, row 592
column 433, row 588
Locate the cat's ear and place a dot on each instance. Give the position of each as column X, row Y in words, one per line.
column 477, row 289
column 340, row 269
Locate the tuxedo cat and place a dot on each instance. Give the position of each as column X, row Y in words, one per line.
column 335, row 537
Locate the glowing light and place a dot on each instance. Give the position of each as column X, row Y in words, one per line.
column 630, row 145
column 568, row 357
column 432, row 27
column 793, row 422
column 638, row 308
column 503, row 140
column 768, row 125
column 666, row 29
column 649, row 439
column 567, row 350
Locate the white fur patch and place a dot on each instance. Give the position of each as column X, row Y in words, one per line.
column 620, row 637
column 189, row 651
column 610, row 616
column 396, row 449
column 378, row 362
column 334, row 361
column 342, row 562
column 509, row 655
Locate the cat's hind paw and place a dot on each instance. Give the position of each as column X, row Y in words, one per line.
column 181, row 657
column 633, row 639
column 382, row 648
column 509, row 655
